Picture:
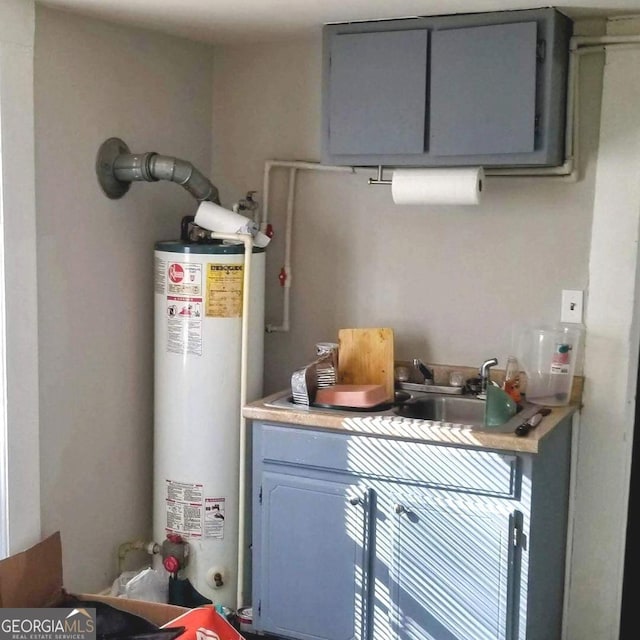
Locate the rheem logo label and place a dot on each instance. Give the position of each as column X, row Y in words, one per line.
column 176, row 273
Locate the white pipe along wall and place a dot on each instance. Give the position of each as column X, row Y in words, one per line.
column 287, row 271
column 247, row 240
column 579, row 45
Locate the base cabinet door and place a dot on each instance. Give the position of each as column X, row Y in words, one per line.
column 311, row 544
column 451, row 567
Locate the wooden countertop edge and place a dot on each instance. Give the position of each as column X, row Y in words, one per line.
column 407, row 429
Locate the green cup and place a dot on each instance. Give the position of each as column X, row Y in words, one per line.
column 499, row 407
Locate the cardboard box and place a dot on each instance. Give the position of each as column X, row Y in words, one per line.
column 33, row 578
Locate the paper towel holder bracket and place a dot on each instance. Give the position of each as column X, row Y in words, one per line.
column 379, row 179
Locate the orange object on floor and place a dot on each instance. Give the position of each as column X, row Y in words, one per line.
column 204, row 623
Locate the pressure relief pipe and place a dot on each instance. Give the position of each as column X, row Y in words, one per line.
column 247, row 239
column 117, row 168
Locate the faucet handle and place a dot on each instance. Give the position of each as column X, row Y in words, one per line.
column 424, row 370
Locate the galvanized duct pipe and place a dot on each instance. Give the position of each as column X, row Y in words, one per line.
column 116, row 168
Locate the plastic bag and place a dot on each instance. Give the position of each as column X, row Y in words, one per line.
column 148, row 584
column 119, row 584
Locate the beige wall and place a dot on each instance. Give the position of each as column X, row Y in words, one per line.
column 455, row 283
column 95, row 259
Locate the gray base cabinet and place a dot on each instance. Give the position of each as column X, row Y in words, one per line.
column 368, row 538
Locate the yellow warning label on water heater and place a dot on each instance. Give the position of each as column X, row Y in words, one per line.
column 224, row 290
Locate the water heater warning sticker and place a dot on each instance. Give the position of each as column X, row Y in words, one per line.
column 224, row 290
column 184, row 307
column 184, row 508
column 214, row 518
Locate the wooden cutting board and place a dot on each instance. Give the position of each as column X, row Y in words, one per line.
column 366, row 357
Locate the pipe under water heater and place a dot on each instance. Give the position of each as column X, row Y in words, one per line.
column 208, row 346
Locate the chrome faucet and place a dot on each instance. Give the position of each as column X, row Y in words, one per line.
column 424, row 370
column 485, row 374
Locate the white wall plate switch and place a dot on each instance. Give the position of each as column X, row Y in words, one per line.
column 571, row 309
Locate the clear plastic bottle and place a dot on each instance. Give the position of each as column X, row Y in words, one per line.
column 511, row 384
column 549, row 360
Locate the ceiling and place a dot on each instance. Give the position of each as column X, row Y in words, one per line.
column 242, row 21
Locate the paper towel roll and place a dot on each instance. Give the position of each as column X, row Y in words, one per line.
column 213, row 217
column 437, row 186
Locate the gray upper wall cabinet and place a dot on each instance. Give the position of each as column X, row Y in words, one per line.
column 475, row 89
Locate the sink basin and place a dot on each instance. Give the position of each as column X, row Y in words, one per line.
column 467, row 411
column 446, row 408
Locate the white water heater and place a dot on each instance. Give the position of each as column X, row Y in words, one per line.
column 197, row 413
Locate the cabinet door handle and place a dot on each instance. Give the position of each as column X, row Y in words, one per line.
column 401, row 509
column 356, row 500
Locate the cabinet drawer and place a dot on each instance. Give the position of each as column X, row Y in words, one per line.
column 445, row 467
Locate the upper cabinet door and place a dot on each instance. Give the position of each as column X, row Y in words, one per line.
column 483, row 90
column 377, row 90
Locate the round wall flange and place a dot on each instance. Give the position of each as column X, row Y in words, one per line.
column 109, row 150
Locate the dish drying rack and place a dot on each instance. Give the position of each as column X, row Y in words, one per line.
column 306, row 381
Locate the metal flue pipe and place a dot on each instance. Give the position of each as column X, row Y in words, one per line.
column 117, row 167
